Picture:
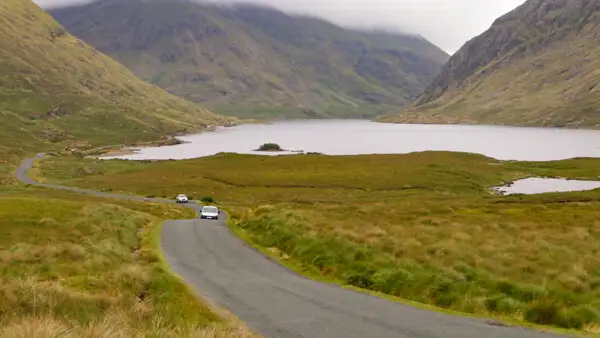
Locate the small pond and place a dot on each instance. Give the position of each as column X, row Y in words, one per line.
column 540, row 185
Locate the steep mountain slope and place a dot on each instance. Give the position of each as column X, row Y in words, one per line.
column 55, row 89
column 537, row 65
column 254, row 61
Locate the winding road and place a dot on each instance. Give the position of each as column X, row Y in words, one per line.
column 277, row 302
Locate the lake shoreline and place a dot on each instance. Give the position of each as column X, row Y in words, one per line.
column 357, row 137
column 434, row 121
column 124, row 150
column 113, row 152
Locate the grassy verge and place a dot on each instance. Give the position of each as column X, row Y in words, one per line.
column 81, row 266
column 9, row 160
column 311, row 271
column 421, row 227
column 441, row 268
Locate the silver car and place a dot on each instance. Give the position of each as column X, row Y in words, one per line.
column 181, row 198
column 209, row 212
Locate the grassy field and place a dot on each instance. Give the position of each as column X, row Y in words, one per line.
column 421, row 226
column 74, row 266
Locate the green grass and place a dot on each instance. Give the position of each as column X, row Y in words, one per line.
column 265, row 112
column 422, row 226
column 308, row 178
column 73, row 265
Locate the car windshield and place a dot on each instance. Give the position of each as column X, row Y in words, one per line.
column 181, row 195
column 209, row 209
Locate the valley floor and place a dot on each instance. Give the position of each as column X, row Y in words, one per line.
column 423, row 226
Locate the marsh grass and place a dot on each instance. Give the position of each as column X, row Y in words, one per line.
column 303, row 178
column 423, row 226
column 73, row 266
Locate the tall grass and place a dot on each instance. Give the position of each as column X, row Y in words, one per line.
column 456, row 264
column 421, row 226
column 73, row 266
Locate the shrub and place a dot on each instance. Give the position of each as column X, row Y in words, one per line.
column 545, row 312
column 270, row 147
column 207, row 199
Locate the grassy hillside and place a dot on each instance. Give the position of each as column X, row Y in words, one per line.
column 536, row 66
column 57, row 90
column 256, row 62
column 421, row 226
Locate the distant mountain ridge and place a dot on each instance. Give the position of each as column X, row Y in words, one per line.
column 536, row 66
column 247, row 60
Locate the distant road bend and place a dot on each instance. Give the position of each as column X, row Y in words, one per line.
column 276, row 302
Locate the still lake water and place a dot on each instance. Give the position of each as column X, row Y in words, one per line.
column 351, row 137
column 540, row 185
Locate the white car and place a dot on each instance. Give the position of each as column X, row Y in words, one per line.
column 209, row 212
column 181, row 198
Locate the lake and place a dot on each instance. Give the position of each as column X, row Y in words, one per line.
column 351, row 137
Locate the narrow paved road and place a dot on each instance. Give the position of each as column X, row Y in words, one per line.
column 277, row 302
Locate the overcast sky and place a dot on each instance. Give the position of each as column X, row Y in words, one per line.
column 446, row 23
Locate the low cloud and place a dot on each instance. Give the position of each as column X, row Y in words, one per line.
column 60, row 3
column 446, row 23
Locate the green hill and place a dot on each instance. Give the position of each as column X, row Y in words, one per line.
column 252, row 61
column 55, row 90
column 536, row 66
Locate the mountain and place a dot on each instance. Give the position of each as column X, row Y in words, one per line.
column 538, row 65
column 57, row 90
column 252, row 61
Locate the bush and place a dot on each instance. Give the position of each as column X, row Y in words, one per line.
column 270, row 147
column 544, row 312
column 207, row 199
